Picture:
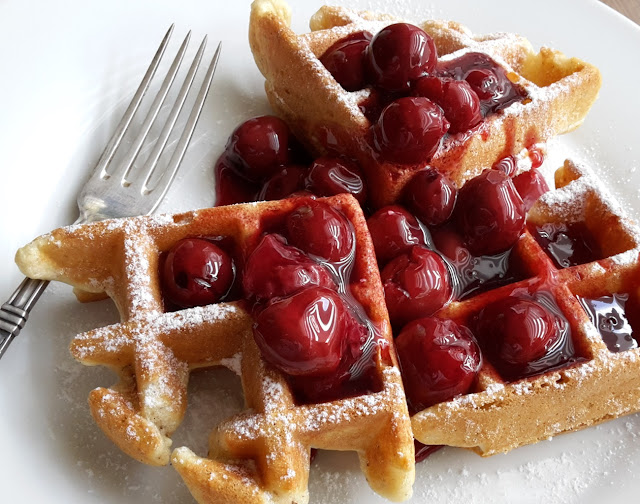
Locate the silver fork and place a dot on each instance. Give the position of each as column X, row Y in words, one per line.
column 117, row 189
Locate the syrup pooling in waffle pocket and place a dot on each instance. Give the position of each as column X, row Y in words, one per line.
column 306, row 329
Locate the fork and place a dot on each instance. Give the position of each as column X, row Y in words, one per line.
column 118, row 189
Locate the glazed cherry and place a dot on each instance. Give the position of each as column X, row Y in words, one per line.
column 196, row 272
column 508, row 165
column 431, row 196
column 259, row 147
column 276, row 269
column 517, row 331
column 399, row 54
column 439, row 360
column 303, row 334
column 345, row 60
column 393, row 232
column 530, row 186
column 330, row 175
column 230, row 187
column 459, row 102
column 285, row 182
column 490, row 213
column 318, row 229
column 409, row 130
column 416, row 284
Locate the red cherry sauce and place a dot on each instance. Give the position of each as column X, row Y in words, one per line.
column 567, row 244
column 608, row 314
column 488, row 79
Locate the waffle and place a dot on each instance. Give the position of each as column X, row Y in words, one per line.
column 602, row 381
column 262, row 454
column 327, row 118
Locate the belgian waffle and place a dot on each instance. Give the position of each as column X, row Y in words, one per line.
column 602, row 382
column 263, row 454
column 327, row 118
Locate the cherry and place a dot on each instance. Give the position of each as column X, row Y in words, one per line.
column 459, row 102
column 431, row 196
column 507, row 164
column 399, row 54
column 416, row 284
column 530, row 186
column 196, row 272
column 286, row 181
column 277, row 269
column 345, row 60
column 259, row 147
column 393, row 232
column 409, row 130
column 304, row 333
column 490, row 213
column 439, row 360
column 329, row 176
column 517, row 331
column 319, row 229
column 230, row 187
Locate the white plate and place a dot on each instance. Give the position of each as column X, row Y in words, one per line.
column 68, row 70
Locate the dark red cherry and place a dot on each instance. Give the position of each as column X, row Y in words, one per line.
column 277, row 269
column 259, row 147
column 416, row 284
column 508, row 165
column 439, row 360
column 196, row 272
column 399, row 54
column 431, row 196
column 285, row 182
column 230, row 187
column 321, row 230
column 490, row 213
column 409, row 130
column 459, row 102
column 303, row 334
column 517, row 331
column 329, row 176
column 530, row 185
column 394, row 231
column 345, row 60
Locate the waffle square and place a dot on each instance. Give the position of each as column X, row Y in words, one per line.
column 263, row 454
column 560, row 91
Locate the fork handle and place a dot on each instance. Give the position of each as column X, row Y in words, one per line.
column 15, row 311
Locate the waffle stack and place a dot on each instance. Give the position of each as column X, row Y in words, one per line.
column 263, row 454
column 327, row 118
column 602, row 380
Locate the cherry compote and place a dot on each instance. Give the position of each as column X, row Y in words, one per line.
column 607, row 313
column 329, row 176
column 345, row 60
column 567, row 244
column 394, row 231
column 286, row 181
column 399, row 54
column 439, row 360
column 196, row 272
column 530, row 185
column 431, row 196
column 416, row 284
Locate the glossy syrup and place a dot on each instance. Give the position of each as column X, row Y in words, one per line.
column 567, row 244
column 607, row 313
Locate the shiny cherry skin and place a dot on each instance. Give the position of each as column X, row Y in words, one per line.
column 394, row 231
column 230, row 187
column 517, row 331
column 530, row 185
column 329, row 176
column 399, row 54
column 345, row 60
column 431, row 196
column 416, row 284
column 196, row 272
column 259, row 146
column 490, row 213
column 439, row 360
column 319, row 229
column 303, row 334
column 507, row 164
column 286, row 181
column 459, row 102
column 409, row 130
column 276, row 269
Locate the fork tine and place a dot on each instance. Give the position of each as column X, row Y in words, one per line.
column 185, row 138
column 153, row 112
column 115, row 140
column 152, row 161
